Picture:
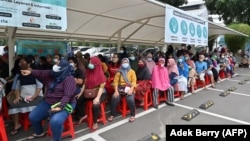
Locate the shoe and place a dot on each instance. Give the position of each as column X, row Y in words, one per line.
column 15, row 131
column 131, row 119
column 156, row 106
column 170, row 103
column 34, row 135
column 111, row 118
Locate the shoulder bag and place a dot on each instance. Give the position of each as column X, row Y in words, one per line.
column 91, row 93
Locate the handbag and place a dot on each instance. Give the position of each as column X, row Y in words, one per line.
column 11, row 97
column 91, row 93
column 121, row 90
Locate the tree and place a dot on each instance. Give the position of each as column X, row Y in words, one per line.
column 230, row 10
column 234, row 43
column 175, row 3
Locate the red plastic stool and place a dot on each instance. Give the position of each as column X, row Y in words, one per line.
column 176, row 91
column 89, row 112
column 199, row 83
column 162, row 97
column 3, row 135
column 4, row 111
column 222, row 74
column 123, row 108
column 24, row 120
column 68, row 128
column 207, row 79
column 148, row 99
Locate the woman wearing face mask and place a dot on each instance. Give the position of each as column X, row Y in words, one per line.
column 60, row 91
column 81, row 101
column 161, row 82
column 113, row 67
column 180, row 72
column 143, row 81
column 95, row 78
column 133, row 61
column 150, row 62
column 125, row 77
column 28, row 91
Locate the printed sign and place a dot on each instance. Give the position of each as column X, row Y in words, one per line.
column 40, row 14
column 183, row 28
column 41, row 48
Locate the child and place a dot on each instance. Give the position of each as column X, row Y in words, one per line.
column 191, row 78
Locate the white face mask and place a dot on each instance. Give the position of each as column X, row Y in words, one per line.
column 71, row 64
column 55, row 60
column 56, row 68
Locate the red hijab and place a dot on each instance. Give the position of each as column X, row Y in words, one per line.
column 96, row 76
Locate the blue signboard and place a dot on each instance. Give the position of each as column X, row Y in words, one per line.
column 41, row 48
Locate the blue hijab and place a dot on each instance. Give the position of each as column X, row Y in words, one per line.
column 65, row 70
column 124, row 71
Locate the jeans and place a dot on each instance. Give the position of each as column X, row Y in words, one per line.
column 41, row 112
column 130, row 101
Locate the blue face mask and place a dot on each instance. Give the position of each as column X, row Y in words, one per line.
column 91, row 66
column 125, row 65
column 6, row 51
column 132, row 58
column 180, row 60
column 121, row 51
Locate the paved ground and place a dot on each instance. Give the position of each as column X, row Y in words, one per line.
column 230, row 110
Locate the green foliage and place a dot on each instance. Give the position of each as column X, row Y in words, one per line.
column 175, row 3
column 230, row 10
column 234, row 43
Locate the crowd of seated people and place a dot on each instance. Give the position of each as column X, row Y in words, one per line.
column 126, row 74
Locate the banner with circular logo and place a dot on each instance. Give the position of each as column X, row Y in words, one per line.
column 184, row 28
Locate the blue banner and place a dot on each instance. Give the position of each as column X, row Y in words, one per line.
column 41, row 48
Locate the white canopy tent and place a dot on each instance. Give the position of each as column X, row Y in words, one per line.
column 116, row 21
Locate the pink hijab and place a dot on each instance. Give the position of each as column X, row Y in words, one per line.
column 160, row 77
column 172, row 66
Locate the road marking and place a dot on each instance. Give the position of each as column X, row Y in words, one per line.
column 237, row 80
column 215, row 115
column 229, row 91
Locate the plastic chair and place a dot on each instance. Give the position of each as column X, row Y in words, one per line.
column 3, row 135
column 207, row 79
column 123, row 107
column 68, row 128
column 148, row 99
column 4, row 111
column 162, row 97
column 24, row 120
column 89, row 112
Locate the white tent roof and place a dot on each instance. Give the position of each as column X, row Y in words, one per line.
column 135, row 21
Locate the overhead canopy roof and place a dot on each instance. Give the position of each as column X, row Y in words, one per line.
column 135, row 21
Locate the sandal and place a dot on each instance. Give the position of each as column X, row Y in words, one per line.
column 15, row 131
column 131, row 119
column 34, row 135
column 95, row 126
column 111, row 118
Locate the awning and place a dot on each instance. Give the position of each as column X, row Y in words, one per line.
column 133, row 21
